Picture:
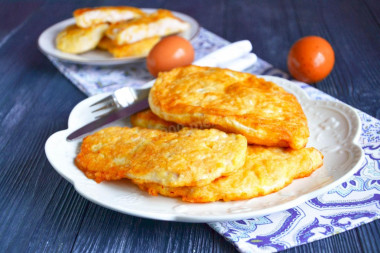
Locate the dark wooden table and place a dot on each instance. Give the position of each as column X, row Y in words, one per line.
column 41, row 212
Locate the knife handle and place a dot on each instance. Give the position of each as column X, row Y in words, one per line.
column 226, row 54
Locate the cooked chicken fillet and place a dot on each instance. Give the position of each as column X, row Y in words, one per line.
column 139, row 48
column 266, row 170
column 87, row 17
column 76, row 40
column 190, row 157
column 160, row 23
column 231, row 101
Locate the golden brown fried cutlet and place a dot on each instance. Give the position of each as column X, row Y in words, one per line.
column 147, row 119
column 266, row 170
column 87, row 17
column 189, row 157
column 159, row 23
column 76, row 40
column 231, row 101
column 139, row 48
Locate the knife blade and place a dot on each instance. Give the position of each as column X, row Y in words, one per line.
column 222, row 57
column 109, row 118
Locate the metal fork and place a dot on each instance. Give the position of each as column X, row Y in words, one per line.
column 119, row 99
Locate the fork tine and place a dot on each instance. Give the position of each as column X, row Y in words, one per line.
column 104, row 114
column 106, row 106
column 104, row 100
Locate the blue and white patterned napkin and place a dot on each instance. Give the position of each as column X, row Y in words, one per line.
column 355, row 202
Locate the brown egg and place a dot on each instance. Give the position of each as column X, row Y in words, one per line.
column 169, row 53
column 311, row 59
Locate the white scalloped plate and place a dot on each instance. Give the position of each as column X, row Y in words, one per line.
column 46, row 43
column 335, row 130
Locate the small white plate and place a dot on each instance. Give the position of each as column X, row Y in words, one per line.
column 335, row 130
column 46, row 43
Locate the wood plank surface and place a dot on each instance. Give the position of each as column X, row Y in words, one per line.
column 41, row 212
column 11, row 20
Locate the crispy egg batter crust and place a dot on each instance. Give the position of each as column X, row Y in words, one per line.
column 266, row 170
column 189, row 157
column 76, row 40
column 87, row 17
column 159, row 23
column 139, row 48
column 231, row 101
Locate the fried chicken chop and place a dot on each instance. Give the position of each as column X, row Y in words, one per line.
column 266, row 170
column 231, row 101
column 75, row 40
column 87, row 17
column 189, row 157
column 139, row 48
column 159, row 23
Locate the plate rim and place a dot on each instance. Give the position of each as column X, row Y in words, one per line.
column 100, row 62
column 354, row 142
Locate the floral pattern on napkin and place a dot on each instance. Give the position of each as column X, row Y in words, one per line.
column 354, row 202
